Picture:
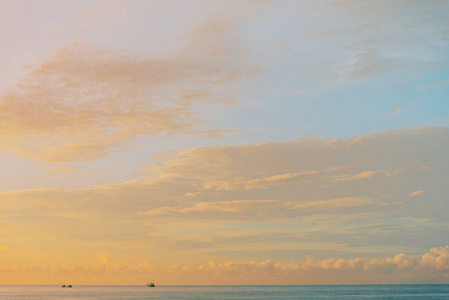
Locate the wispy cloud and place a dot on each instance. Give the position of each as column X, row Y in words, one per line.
column 266, row 182
column 416, row 193
column 339, row 202
column 86, row 101
column 438, row 85
column 380, row 41
column 368, row 174
column 225, row 206
column 398, row 111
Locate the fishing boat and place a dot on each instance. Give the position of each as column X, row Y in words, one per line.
column 150, row 284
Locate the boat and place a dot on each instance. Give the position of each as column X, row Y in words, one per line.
column 63, row 285
column 150, row 284
column 69, row 286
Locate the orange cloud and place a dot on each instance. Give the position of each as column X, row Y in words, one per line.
column 397, row 269
column 339, row 202
column 398, row 111
column 225, row 206
column 368, row 174
column 284, row 206
column 416, row 193
column 86, row 101
column 266, row 182
column 254, row 183
column 437, row 258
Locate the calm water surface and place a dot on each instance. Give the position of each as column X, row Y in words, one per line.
column 228, row 292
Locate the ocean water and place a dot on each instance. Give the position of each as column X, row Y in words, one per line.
column 228, row 292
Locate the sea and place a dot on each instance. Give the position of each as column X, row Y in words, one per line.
column 228, row 292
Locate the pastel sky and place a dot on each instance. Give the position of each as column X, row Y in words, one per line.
column 224, row 142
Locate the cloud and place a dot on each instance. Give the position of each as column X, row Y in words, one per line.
column 286, row 203
column 315, row 174
column 339, row 202
column 249, row 184
column 368, row 174
column 437, row 258
column 390, row 265
column 439, row 85
column 400, row 268
column 265, row 182
column 226, row 206
column 399, row 265
column 398, row 111
column 86, row 101
column 380, row 42
column 416, row 193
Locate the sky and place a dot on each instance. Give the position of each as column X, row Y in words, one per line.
column 224, row 142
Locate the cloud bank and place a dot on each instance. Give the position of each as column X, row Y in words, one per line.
column 431, row 267
column 276, row 201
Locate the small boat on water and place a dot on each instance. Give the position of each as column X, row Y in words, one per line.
column 63, row 285
column 150, row 284
column 68, row 286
